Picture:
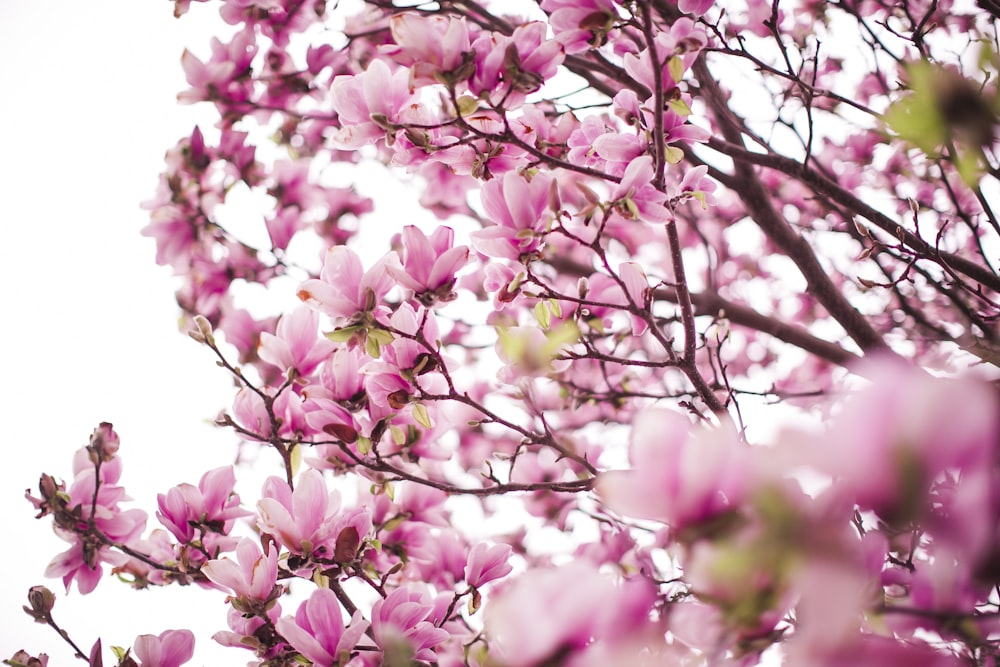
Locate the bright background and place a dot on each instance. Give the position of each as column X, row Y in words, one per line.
column 89, row 323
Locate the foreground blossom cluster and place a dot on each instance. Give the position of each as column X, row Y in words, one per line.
column 524, row 425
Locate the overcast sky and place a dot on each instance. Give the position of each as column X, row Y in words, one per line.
column 89, row 328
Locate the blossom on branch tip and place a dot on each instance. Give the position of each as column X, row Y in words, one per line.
column 318, row 632
column 401, row 624
column 309, row 520
column 429, row 265
column 211, row 506
column 251, row 579
column 635, row 197
column 344, row 290
column 487, row 563
column 295, row 344
column 521, row 210
column 437, row 48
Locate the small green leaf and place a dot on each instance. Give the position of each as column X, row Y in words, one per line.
column 676, row 67
column 343, row 334
column 421, row 416
column 372, row 348
column 679, row 107
column 381, row 335
column 543, row 315
column 364, row 445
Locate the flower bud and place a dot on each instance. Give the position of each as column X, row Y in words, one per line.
column 103, row 443
column 41, row 601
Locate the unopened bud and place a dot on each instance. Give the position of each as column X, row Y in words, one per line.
column 204, row 328
column 40, row 601
column 104, row 442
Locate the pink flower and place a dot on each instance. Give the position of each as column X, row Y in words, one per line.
column 297, row 344
column 369, row 102
column 684, row 40
column 635, row 197
column 580, row 24
column 344, row 289
column 170, row 649
column 636, row 285
column 307, row 520
column 429, row 264
column 677, row 477
column 509, row 68
column 224, row 78
column 518, row 207
column 487, row 563
column 897, row 436
column 252, row 578
column 318, row 630
column 547, row 613
column 402, row 616
column 211, row 506
column 696, row 7
column 432, row 45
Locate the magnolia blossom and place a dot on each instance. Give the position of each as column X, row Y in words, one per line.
column 310, row 519
column 295, row 344
column 487, row 563
column 403, row 617
column 212, row 505
column 571, row 607
column 429, row 264
column 518, row 208
column 251, row 578
column 344, row 289
column 318, row 632
column 368, row 102
column 635, row 197
column 679, row 477
column 170, row 649
column 432, row 45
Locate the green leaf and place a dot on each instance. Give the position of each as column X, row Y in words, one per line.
column 421, row 416
column 343, row 334
column 372, row 348
column 381, row 335
column 679, row 107
column 676, row 67
column 543, row 315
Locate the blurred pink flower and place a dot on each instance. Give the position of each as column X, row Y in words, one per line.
column 170, row 649
column 677, row 477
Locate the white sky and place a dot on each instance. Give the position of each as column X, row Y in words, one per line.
column 89, row 321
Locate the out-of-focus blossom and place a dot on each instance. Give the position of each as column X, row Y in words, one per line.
column 170, row 649
column 678, row 477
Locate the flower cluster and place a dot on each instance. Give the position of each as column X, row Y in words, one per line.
column 526, row 430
